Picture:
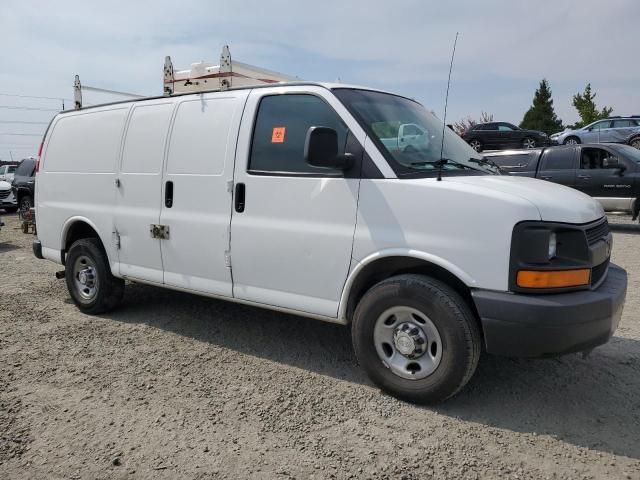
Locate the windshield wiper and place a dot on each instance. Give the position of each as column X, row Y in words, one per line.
column 439, row 163
column 484, row 161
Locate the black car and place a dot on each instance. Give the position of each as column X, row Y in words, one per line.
column 609, row 172
column 499, row 135
column 24, row 183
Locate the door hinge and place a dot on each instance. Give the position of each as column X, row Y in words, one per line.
column 159, row 231
column 227, row 259
column 116, row 239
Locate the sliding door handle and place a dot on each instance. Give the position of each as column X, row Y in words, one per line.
column 168, row 194
column 238, row 197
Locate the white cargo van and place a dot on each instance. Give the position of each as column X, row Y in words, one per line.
column 285, row 197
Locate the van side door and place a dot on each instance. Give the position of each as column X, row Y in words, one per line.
column 138, row 186
column 293, row 224
column 558, row 165
column 196, row 192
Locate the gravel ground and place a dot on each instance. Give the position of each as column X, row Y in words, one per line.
column 177, row 386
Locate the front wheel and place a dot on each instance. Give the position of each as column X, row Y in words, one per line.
column 476, row 145
column 11, row 209
column 89, row 280
column 416, row 338
column 528, row 143
column 572, row 141
column 635, row 142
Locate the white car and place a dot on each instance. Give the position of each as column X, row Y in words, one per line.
column 7, row 198
column 7, row 172
column 284, row 197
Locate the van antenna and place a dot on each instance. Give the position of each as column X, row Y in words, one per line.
column 441, row 162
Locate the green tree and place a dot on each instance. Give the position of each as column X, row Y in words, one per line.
column 541, row 115
column 586, row 107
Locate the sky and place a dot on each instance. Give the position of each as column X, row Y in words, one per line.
column 504, row 49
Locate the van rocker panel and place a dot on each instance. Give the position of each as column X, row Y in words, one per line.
column 537, row 325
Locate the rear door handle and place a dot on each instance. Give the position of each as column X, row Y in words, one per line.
column 168, row 194
column 585, row 177
column 239, row 197
column 545, row 177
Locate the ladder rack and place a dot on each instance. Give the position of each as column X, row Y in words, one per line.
column 201, row 77
column 206, row 76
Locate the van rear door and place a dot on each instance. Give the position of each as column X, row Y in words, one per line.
column 196, row 195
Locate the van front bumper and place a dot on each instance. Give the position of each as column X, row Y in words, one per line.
column 529, row 325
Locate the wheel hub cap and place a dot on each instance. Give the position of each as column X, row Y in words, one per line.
column 409, row 340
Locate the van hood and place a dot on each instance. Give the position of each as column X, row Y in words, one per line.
column 556, row 203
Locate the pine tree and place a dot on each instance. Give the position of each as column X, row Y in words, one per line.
column 587, row 109
column 541, row 115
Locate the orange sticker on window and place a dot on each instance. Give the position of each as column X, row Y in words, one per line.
column 277, row 136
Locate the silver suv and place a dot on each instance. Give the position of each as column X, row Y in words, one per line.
column 612, row 129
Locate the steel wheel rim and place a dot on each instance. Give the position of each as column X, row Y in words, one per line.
column 529, row 143
column 390, row 339
column 475, row 145
column 636, row 144
column 572, row 141
column 85, row 278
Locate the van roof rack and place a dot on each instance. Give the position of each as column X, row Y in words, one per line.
column 207, row 77
column 199, row 78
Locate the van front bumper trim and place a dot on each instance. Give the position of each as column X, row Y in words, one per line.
column 538, row 325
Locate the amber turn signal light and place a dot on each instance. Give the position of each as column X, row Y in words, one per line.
column 553, row 278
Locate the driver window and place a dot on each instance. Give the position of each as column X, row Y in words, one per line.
column 593, row 158
column 505, row 128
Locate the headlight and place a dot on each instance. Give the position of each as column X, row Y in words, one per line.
column 549, row 257
column 553, row 245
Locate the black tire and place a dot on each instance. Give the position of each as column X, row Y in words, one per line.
column 635, row 142
column 25, row 203
column 446, row 309
column 571, row 141
column 529, row 143
column 11, row 209
column 476, row 144
column 109, row 289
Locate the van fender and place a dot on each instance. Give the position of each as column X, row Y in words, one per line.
column 78, row 218
column 397, row 252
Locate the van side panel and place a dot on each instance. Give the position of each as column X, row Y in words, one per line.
column 77, row 174
column 139, row 194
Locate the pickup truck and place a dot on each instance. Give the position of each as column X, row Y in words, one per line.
column 608, row 172
column 410, row 137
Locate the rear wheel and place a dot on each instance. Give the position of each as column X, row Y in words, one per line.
column 476, row 144
column 635, row 142
column 528, row 143
column 11, row 209
column 416, row 338
column 572, row 141
column 89, row 280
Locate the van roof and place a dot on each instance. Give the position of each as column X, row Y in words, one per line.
column 327, row 85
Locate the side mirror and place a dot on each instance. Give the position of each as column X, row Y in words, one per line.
column 321, row 149
column 611, row 162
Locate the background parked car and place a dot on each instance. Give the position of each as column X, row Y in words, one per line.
column 6, row 172
column 608, row 172
column 613, row 129
column 499, row 135
column 634, row 140
column 7, row 199
column 24, row 182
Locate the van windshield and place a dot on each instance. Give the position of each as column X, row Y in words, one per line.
column 409, row 136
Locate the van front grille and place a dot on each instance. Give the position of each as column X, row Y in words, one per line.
column 4, row 193
column 597, row 232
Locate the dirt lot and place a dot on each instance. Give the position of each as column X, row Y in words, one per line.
column 176, row 386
